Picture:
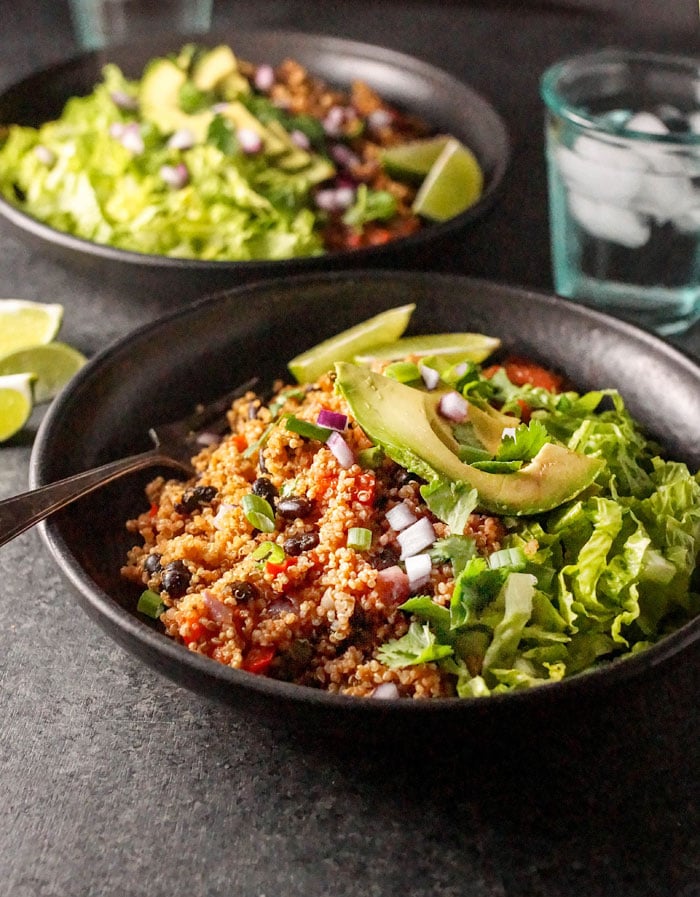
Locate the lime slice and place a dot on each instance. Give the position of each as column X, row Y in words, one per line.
column 53, row 365
column 382, row 328
column 412, row 161
column 450, row 346
column 24, row 323
column 453, row 184
column 15, row 403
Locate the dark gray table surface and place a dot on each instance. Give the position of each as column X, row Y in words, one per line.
column 114, row 781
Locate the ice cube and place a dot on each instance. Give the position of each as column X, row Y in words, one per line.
column 688, row 221
column 663, row 196
column 608, row 222
column 600, row 170
column 647, row 123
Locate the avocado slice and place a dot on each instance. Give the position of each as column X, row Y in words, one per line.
column 213, row 66
column 159, row 98
column 407, row 426
column 488, row 424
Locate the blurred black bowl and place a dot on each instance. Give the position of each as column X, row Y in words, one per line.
column 160, row 371
column 438, row 98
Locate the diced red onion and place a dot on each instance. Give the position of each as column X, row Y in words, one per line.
column 460, row 369
column 182, row 139
column 454, row 407
column 392, row 585
column 175, row 176
column 334, row 120
column 400, row 516
column 387, row 691
column 123, row 100
column 44, row 154
column 332, row 419
column 508, row 431
column 218, row 519
column 380, row 118
column 342, row 451
column 131, row 138
column 300, row 139
column 334, row 199
column 416, row 537
column 418, row 567
column 429, row 375
column 220, row 107
column 249, row 141
column 206, row 438
column 116, row 130
column 343, row 155
column 264, row 77
column 217, row 610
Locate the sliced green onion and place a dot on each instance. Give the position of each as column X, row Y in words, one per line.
column 308, row 430
column 370, row 458
column 359, row 538
column 151, row 604
column 403, row 371
column 508, row 557
column 269, row 551
column 258, row 512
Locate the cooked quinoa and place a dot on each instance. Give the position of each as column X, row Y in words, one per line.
column 317, row 617
column 306, row 554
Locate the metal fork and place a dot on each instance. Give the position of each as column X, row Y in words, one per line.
column 174, row 445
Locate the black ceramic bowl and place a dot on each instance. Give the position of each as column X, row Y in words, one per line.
column 409, row 83
column 161, row 370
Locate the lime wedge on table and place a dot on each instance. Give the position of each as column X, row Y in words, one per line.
column 450, row 346
column 413, row 160
column 53, row 365
column 16, row 403
column 382, row 328
column 24, row 323
column 453, row 184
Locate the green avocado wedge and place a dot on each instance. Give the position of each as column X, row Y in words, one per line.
column 404, row 421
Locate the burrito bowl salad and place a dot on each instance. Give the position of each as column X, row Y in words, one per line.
column 411, row 518
column 210, row 157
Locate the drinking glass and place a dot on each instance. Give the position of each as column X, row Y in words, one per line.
column 623, row 159
column 100, row 23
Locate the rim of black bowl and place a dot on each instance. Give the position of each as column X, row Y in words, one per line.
column 484, row 110
column 132, row 629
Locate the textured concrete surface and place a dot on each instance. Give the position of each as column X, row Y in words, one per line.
column 116, row 783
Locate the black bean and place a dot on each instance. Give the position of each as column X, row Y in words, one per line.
column 176, row 579
column 152, row 564
column 243, row 591
column 295, row 545
column 193, row 499
column 265, row 489
column 405, row 476
column 294, row 506
column 388, row 556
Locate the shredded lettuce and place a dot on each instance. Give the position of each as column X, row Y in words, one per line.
column 75, row 175
column 599, row 578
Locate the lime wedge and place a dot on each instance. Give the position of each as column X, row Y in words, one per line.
column 382, row 328
column 453, row 184
column 53, row 365
column 413, row 160
column 450, row 346
column 16, row 403
column 24, row 323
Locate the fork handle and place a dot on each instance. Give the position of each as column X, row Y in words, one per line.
column 21, row 512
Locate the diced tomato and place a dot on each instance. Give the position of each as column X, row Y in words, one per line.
column 240, row 442
column 258, row 660
column 274, row 569
column 153, row 510
column 365, row 487
column 194, row 634
column 525, row 411
column 521, row 371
